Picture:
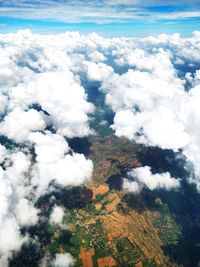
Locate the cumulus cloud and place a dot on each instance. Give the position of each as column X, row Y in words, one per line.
column 57, row 215
column 63, row 260
column 164, row 116
column 61, row 96
column 131, row 186
column 18, row 124
column 3, row 103
column 152, row 85
column 97, row 56
column 49, row 147
column 98, row 71
column 54, row 164
column 10, row 235
column 143, row 177
column 26, row 213
column 39, row 92
column 2, row 153
column 152, row 102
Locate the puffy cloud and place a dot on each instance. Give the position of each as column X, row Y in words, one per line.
column 131, row 186
column 8, row 69
column 71, row 170
column 61, row 96
column 2, row 153
column 143, row 177
column 98, row 71
column 5, row 193
column 26, row 213
column 18, row 124
column 152, row 104
column 184, row 48
column 193, row 79
column 18, row 165
column 49, row 147
column 158, row 63
column 57, row 215
column 52, row 162
column 148, row 107
column 142, row 87
column 39, row 90
column 25, row 178
column 63, row 260
column 10, row 235
column 165, row 118
column 152, row 85
column 97, row 56
column 158, row 128
column 3, row 103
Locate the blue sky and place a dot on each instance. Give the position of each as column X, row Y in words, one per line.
column 109, row 18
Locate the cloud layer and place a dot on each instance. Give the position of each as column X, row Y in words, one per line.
column 41, row 106
column 152, row 86
column 142, row 177
column 101, row 11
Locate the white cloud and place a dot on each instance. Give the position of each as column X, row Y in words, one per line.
column 49, row 147
column 57, row 215
column 8, row 69
column 18, row 124
column 3, row 103
column 131, row 186
column 98, row 71
column 26, row 213
column 112, row 11
column 143, row 177
column 71, row 170
column 10, row 237
column 59, row 94
column 168, row 120
column 5, row 193
column 63, row 260
column 3, row 153
column 23, row 181
column 150, row 101
column 97, row 56
column 41, row 89
column 53, row 162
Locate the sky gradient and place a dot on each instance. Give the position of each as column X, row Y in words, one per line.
column 109, row 18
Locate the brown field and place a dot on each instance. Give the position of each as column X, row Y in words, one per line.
column 110, row 154
column 117, row 219
column 86, row 257
column 109, row 236
column 106, row 262
column 98, row 189
column 137, row 227
column 114, row 201
column 98, row 206
column 139, row 264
